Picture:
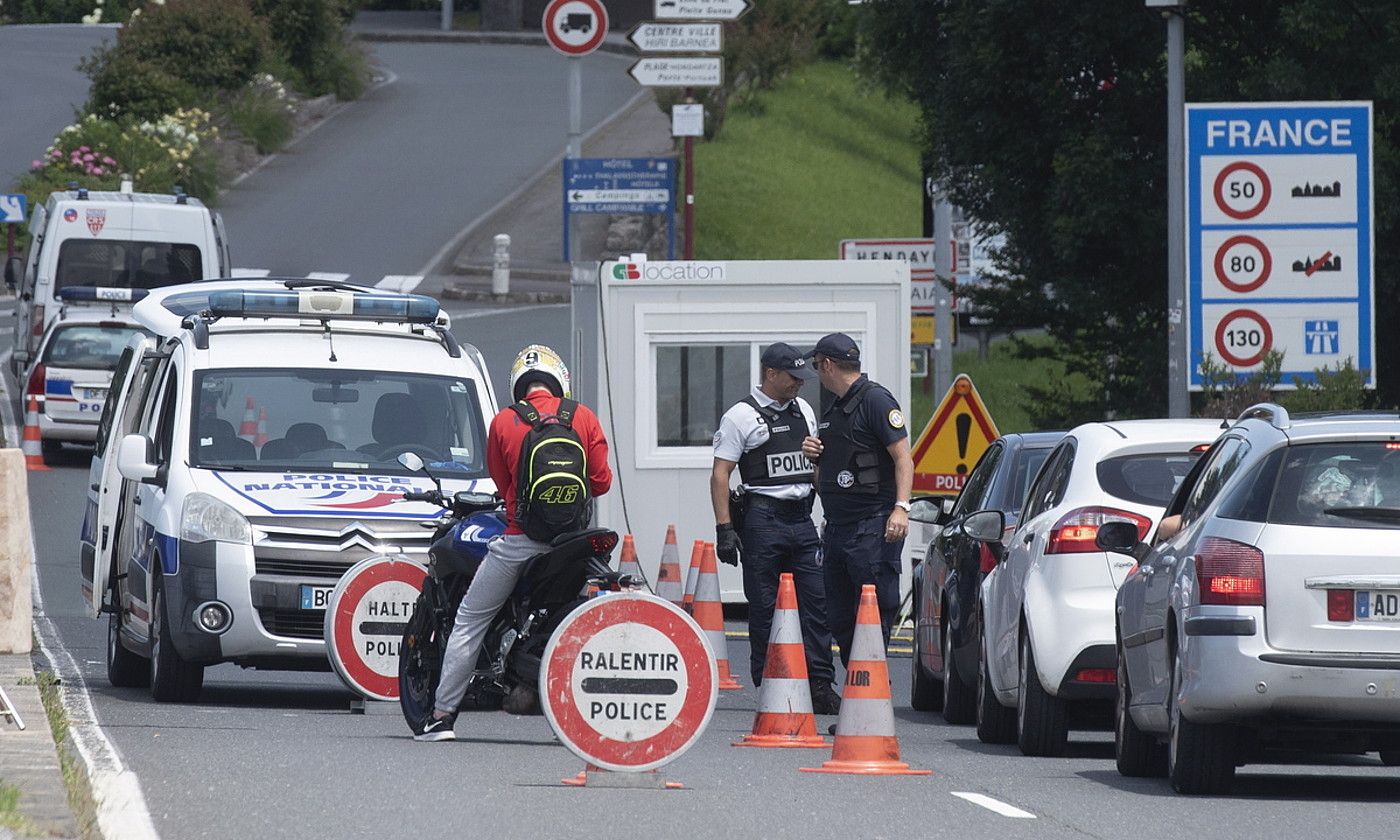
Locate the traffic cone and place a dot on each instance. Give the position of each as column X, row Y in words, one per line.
column 627, row 564
column 865, row 739
column 260, row 439
column 668, row 577
column 692, row 576
column 709, row 614
column 32, row 444
column 248, row 429
column 784, row 717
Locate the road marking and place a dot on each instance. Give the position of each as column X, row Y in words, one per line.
column 401, row 283
column 995, row 805
column 327, row 276
column 487, row 313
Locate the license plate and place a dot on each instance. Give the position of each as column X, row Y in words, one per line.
column 315, row 597
column 98, row 394
column 1378, row 605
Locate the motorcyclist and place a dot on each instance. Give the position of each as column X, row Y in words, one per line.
column 538, row 377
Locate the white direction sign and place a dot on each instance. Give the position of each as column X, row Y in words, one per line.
column 618, row 196
column 679, row 72
column 919, row 253
column 700, row 9
column 656, row 37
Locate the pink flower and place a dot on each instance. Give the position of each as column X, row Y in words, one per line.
column 108, row 161
column 96, row 170
column 36, row 164
column 89, row 157
column 56, row 153
column 84, row 149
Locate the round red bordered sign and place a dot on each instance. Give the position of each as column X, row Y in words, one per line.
column 365, row 618
column 1243, row 264
column 629, row 682
column 1246, row 196
column 575, row 27
column 1243, row 337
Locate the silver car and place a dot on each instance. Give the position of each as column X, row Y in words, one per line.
column 1267, row 613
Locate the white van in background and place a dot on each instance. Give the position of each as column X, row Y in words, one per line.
column 109, row 240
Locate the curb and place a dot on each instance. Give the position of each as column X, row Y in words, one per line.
column 530, row 39
column 453, row 291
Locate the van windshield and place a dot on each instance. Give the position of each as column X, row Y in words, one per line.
column 123, row 264
column 299, row 420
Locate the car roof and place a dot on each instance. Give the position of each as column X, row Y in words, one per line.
column 1034, row 440
column 1149, row 431
column 154, row 314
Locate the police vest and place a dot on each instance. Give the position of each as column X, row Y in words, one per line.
column 847, row 466
column 779, row 461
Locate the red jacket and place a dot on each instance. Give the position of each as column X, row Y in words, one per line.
column 508, row 434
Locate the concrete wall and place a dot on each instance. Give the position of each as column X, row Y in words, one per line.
column 16, row 556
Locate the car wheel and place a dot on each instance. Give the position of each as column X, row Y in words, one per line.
column 1042, row 727
column 124, row 668
column 925, row 695
column 173, row 680
column 1138, row 753
column 959, row 699
column 996, row 724
column 1200, row 757
column 1390, row 758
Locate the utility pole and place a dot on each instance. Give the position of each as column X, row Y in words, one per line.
column 943, row 304
column 1178, row 396
column 689, row 209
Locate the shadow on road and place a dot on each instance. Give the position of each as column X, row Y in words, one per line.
column 1075, row 749
column 1304, row 788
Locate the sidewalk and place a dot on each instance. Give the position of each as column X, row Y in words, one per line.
column 28, row 759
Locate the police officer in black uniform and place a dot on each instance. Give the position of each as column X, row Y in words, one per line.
column 865, row 476
column 763, row 435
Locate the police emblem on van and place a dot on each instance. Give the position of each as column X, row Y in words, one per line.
column 96, row 220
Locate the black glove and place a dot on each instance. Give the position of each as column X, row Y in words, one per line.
column 727, row 544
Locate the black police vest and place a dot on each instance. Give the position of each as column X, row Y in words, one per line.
column 779, row 460
column 848, row 467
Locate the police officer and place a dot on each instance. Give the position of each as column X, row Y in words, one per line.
column 865, row 476
column 763, row 435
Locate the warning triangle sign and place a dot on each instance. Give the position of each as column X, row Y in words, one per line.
column 957, row 434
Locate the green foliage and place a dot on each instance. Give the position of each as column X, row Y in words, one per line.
column 310, row 37
column 1338, row 388
column 124, row 84
column 1225, row 393
column 262, row 113
column 65, row 11
column 10, row 817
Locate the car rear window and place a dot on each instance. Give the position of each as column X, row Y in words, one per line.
column 1340, row 485
column 1148, row 479
column 1028, row 463
column 88, row 346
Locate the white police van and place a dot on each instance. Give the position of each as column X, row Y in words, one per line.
column 245, row 461
column 73, row 365
column 109, row 240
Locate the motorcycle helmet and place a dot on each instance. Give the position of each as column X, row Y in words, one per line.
column 538, row 363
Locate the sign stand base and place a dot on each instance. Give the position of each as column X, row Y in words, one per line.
column 373, row 708
column 597, row 777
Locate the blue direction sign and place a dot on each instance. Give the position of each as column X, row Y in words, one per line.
column 12, row 207
column 620, row 186
column 1279, row 236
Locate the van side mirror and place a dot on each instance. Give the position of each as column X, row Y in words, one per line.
column 14, row 270
column 985, row 526
column 1118, row 537
column 135, row 458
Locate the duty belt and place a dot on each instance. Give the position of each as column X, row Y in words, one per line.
column 791, row 507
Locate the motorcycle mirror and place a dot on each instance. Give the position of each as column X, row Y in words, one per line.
column 411, row 461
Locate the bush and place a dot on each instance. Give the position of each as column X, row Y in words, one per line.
column 64, row 11
column 309, row 36
column 123, row 85
column 262, row 113
column 1339, row 388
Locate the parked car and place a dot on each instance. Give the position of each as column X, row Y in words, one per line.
column 947, row 584
column 1268, row 612
column 1048, row 607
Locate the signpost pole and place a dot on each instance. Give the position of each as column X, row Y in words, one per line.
column 1178, row 398
column 575, row 106
column 689, row 208
column 943, row 315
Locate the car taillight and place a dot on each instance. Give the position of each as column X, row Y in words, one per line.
column 1076, row 530
column 603, row 544
column 1230, row 573
column 36, row 324
column 1341, row 605
column 35, row 386
column 987, row 559
column 1096, row 675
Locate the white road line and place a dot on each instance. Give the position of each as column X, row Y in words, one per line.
column 995, row 805
column 249, row 272
column 329, row 276
column 401, row 283
column 486, row 313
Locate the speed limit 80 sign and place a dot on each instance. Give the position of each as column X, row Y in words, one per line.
column 1279, row 237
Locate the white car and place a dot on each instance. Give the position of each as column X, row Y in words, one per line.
column 1048, row 606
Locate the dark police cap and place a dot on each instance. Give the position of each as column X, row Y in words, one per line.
column 837, row 346
column 782, row 356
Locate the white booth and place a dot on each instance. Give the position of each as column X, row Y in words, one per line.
column 678, row 343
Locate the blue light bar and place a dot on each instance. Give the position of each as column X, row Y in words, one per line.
column 107, row 294
column 312, row 303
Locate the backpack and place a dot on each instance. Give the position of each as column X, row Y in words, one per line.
column 551, row 481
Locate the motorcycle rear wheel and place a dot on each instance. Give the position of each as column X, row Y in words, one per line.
column 420, row 664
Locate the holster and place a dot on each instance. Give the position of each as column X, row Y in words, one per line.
column 738, row 508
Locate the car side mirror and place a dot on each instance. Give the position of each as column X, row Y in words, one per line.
column 135, row 458
column 14, row 269
column 985, row 526
column 1118, row 537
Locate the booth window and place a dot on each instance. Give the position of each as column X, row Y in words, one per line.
column 695, row 385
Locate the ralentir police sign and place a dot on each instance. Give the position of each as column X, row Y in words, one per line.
column 1279, row 236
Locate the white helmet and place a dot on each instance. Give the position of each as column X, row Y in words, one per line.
column 538, row 363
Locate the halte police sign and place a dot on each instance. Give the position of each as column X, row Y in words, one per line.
column 1280, row 236
column 365, row 618
column 629, row 682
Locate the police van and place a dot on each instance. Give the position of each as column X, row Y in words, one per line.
column 248, row 458
column 73, row 364
column 109, row 240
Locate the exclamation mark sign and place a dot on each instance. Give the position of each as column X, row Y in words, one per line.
column 963, row 423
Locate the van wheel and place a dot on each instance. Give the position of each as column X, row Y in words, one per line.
column 124, row 668
column 173, row 680
column 1138, row 753
column 959, row 701
column 996, row 724
column 1042, row 727
column 1200, row 757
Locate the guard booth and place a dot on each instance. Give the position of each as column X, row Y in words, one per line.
column 678, row 343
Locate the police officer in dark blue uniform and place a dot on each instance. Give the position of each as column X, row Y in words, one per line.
column 865, row 476
column 763, row 435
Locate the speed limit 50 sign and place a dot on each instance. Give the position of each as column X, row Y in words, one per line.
column 1279, row 236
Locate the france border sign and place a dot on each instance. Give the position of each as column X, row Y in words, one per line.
column 1279, row 236
column 365, row 617
column 628, row 682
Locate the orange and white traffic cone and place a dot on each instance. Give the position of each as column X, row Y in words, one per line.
column 709, row 614
column 32, row 444
column 668, row 576
column 784, row 717
column 628, row 564
column 248, row 429
column 692, row 576
column 865, row 739
column 260, row 439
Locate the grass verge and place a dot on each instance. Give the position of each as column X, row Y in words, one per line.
column 10, row 817
column 74, row 774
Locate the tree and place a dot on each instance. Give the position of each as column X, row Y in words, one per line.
column 1051, row 127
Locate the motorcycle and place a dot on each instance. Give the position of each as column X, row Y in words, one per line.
column 551, row 586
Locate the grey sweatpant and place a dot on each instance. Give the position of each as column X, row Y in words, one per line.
column 494, row 582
